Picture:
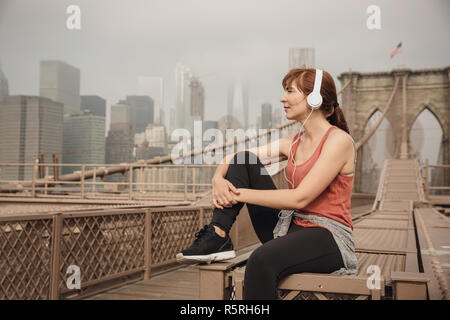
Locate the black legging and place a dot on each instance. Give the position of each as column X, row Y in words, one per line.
column 311, row 249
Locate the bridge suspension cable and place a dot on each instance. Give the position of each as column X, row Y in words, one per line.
column 372, row 130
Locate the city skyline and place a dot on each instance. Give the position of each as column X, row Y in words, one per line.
column 254, row 47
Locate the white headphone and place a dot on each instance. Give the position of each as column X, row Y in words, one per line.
column 314, row 100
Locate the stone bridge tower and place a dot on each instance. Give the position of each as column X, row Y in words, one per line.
column 417, row 90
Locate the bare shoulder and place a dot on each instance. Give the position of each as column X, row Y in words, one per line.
column 340, row 141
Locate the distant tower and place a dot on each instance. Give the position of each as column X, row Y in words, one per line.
column 266, row 116
column 197, row 99
column 144, row 108
column 302, row 58
column 4, row 90
column 183, row 97
column 29, row 126
column 123, row 112
column 83, row 139
column 153, row 87
column 60, row 82
column 95, row 104
column 238, row 102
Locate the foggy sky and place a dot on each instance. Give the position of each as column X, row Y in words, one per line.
column 221, row 40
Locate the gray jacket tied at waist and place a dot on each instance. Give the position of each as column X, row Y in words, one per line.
column 342, row 234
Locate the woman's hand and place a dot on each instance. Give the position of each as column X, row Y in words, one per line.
column 223, row 193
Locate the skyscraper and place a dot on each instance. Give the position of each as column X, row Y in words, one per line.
column 4, row 90
column 96, row 104
column 84, row 139
column 266, row 116
column 277, row 117
column 120, row 143
column 29, row 126
column 302, row 58
column 120, row 140
column 144, row 109
column 238, row 102
column 60, row 82
column 183, row 76
column 123, row 112
column 197, row 99
column 153, row 87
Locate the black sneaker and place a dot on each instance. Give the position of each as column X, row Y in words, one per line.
column 207, row 247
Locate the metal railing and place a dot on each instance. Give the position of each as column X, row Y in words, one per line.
column 445, row 178
column 146, row 181
column 109, row 248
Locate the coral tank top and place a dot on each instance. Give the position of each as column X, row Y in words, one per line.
column 334, row 201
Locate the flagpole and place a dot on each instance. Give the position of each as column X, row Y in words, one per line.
column 402, row 59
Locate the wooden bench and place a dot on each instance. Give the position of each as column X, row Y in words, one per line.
column 216, row 278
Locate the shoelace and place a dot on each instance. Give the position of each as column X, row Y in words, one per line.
column 200, row 234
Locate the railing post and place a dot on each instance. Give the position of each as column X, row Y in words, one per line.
column 185, row 181
column 427, row 183
column 55, row 256
column 46, row 179
column 200, row 218
column 82, row 180
column 141, row 179
column 33, row 180
column 130, row 183
column 194, row 176
column 148, row 243
column 94, row 180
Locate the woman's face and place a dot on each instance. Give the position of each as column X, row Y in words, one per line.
column 294, row 101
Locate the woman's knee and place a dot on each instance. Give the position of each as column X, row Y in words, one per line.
column 245, row 157
column 258, row 262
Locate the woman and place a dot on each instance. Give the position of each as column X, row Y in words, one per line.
column 320, row 174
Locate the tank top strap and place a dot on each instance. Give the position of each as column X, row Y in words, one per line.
column 319, row 147
column 325, row 136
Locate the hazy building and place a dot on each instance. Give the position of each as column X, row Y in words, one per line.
column 151, row 143
column 29, row 126
column 206, row 125
column 237, row 102
column 123, row 112
column 162, row 117
column 143, row 107
column 4, row 90
column 228, row 122
column 209, row 124
column 183, row 76
column 84, row 140
column 153, row 87
column 302, row 58
column 60, row 82
column 277, row 117
column 95, row 104
column 120, row 143
column 154, row 135
column 266, row 116
column 197, row 99
column 171, row 121
column 145, row 152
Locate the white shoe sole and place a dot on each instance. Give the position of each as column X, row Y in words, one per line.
column 218, row 256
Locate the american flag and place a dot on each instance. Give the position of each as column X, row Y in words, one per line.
column 396, row 50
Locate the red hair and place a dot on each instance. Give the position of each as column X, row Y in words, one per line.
column 303, row 79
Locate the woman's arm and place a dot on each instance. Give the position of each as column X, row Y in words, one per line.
column 221, row 195
column 335, row 153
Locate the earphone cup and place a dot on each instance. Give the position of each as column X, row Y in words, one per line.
column 314, row 100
